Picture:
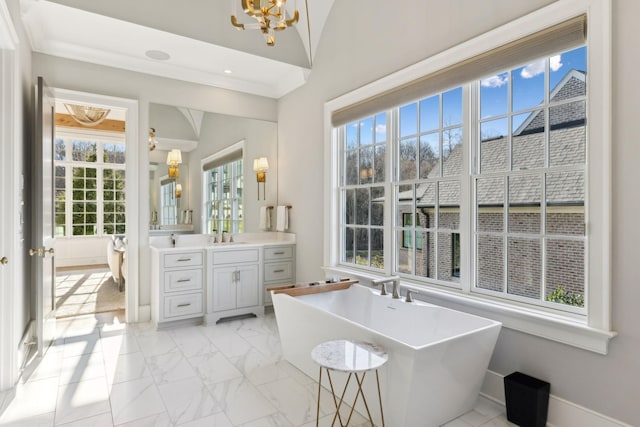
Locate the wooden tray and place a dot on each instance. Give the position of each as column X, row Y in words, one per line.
column 311, row 288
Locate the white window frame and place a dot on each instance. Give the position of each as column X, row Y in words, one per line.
column 365, row 186
column 238, row 146
column 100, row 138
column 591, row 332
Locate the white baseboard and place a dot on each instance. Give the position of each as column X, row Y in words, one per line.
column 26, row 343
column 562, row 413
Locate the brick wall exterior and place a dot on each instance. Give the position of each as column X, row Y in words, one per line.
column 564, row 258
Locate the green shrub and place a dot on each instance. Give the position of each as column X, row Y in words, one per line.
column 562, row 296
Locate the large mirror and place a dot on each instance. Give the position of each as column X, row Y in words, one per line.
column 204, row 141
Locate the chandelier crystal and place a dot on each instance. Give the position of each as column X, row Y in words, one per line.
column 269, row 14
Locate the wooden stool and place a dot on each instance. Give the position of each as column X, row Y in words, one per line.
column 355, row 358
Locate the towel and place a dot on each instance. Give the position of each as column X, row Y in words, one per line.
column 265, row 218
column 283, row 219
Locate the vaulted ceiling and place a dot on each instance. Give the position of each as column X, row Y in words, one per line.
column 197, row 35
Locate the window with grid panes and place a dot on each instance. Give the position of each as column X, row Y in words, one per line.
column 529, row 225
column 363, row 192
column 428, row 186
column 533, row 244
column 223, row 198
column 89, row 184
column 527, row 182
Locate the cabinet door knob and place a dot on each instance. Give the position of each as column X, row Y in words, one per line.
column 4, row 260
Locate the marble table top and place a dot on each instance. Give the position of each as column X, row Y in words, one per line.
column 349, row 356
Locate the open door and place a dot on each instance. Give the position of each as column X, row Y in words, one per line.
column 43, row 218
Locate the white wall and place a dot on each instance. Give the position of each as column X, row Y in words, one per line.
column 77, row 251
column 85, row 77
column 361, row 43
column 260, row 137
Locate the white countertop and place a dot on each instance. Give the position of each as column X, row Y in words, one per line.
column 204, row 241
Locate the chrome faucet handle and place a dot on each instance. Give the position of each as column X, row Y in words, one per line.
column 408, row 298
column 383, row 288
column 395, row 292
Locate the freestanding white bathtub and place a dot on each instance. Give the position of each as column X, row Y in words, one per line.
column 437, row 357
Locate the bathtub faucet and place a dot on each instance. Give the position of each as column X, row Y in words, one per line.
column 395, row 293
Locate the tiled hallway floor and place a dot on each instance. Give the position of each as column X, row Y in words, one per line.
column 106, row 373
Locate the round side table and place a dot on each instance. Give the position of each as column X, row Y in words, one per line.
column 354, row 358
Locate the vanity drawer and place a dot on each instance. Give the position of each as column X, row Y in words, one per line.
column 183, row 259
column 234, row 256
column 183, row 305
column 278, row 253
column 183, row 280
column 278, row 271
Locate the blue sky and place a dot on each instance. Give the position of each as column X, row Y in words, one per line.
column 527, row 92
column 527, row 88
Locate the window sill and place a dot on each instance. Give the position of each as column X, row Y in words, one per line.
column 563, row 329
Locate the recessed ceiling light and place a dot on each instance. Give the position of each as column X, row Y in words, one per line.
column 228, row 71
column 157, row 55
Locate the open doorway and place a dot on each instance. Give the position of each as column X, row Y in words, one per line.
column 90, row 209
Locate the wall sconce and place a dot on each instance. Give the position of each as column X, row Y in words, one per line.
column 152, row 139
column 260, row 166
column 178, row 191
column 174, row 158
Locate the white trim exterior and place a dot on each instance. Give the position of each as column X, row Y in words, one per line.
column 595, row 334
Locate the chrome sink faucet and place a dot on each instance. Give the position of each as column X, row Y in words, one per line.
column 395, row 293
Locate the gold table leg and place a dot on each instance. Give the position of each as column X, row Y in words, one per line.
column 380, row 397
column 359, row 392
column 319, row 388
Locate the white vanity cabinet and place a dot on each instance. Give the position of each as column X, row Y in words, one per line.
column 279, row 267
column 234, row 284
column 179, row 294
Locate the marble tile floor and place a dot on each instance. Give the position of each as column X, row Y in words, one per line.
column 102, row 372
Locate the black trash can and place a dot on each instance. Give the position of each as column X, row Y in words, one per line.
column 527, row 400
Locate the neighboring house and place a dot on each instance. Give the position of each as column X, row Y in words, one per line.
column 564, row 206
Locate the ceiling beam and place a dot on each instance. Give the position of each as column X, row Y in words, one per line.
column 65, row 120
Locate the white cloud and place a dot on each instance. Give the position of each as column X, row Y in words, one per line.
column 381, row 128
column 495, row 81
column 554, row 63
column 537, row 67
column 533, row 69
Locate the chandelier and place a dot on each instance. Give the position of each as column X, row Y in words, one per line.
column 86, row 115
column 269, row 14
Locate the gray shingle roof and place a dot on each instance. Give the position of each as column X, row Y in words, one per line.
column 566, row 147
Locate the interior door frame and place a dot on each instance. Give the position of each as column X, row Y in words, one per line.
column 132, row 187
column 10, row 187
